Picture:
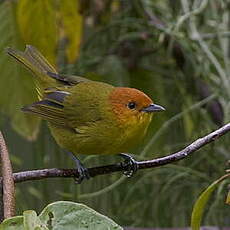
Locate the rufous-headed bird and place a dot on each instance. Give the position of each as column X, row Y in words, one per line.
column 84, row 116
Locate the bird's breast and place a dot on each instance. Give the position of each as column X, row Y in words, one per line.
column 101, row 137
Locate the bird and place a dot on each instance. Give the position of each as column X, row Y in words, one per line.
column 86, row 116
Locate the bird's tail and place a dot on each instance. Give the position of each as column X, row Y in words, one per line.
column 36, row 63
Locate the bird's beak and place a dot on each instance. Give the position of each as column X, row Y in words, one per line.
column 153, row 108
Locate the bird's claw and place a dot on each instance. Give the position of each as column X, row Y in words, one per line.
column 83, row 173
column 130, row 164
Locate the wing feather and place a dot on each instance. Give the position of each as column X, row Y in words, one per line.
column 74, row 108
column 66, row 79
column 50, row 108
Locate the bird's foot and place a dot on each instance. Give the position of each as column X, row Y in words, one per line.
column 130, row 164
column 83, row 172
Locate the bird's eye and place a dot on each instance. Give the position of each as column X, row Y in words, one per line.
column 131, row 105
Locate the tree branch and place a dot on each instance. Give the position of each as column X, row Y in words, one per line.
column 96, row 171
column 7, row 181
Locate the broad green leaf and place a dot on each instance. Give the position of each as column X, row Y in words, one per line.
column 37, row 24
column 201, row 202
column 16, row 85
column 32, row 221
column 61, row 215
column 72, row 22
column 64, row 215
column 14, row 223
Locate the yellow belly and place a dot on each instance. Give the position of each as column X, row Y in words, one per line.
column 109, row 140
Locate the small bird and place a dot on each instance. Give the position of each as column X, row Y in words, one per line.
column 84, row 116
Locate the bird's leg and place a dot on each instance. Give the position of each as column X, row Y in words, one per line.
column 130, row 163
column 83, row 171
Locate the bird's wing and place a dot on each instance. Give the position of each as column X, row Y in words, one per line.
column 67, row 79
column 51, row 108
column 69, row 113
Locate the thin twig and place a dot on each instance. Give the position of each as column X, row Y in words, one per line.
column 96, row 171
column 7, row 182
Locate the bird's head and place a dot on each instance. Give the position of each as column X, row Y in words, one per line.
column 131, row 106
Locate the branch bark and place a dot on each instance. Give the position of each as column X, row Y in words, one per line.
column 96, row 171
column 7, row 181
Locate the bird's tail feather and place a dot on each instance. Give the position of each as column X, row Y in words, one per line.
column 35, row 62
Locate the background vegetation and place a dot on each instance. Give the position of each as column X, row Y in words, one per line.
column 175, row 51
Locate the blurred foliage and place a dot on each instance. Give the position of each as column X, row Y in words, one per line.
column 175, row 51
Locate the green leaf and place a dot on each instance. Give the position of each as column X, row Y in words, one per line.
column 32, row 222
column 72, row 22
column 64, row 215
column 14, row 223
column 201, row 202
column 37, row 24
column 61, row 215
column 16, row 85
